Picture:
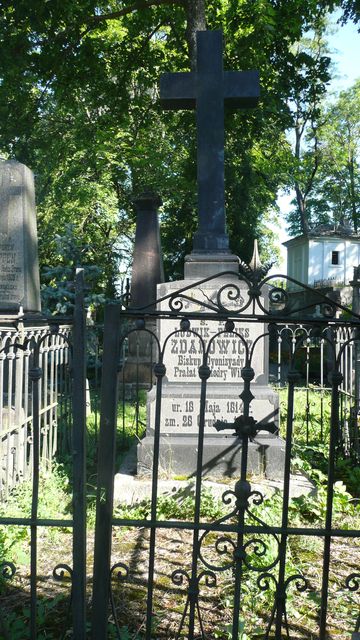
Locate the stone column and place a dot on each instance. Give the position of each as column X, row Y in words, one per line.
column 147, row 273
column 147, row 269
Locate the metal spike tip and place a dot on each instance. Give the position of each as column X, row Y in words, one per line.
column 255, row 262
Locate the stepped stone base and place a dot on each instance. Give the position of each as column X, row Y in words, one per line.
column 221, row 456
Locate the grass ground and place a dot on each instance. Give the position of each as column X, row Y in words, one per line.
column 173, row 551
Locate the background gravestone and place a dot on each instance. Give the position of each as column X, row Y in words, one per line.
column 19, row 266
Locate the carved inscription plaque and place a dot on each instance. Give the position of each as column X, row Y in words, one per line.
column 227, row 353
column 181, row 413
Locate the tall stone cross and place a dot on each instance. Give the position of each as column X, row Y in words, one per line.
column 207, row 90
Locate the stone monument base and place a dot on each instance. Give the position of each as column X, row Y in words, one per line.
column 226, row 358
column 203, row 265
column 221, row 456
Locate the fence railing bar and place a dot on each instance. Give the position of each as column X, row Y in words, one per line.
column 56, row 394
column 159, row 372
column 204, row 372
column 16, row 427
column 39, row 522
column 206, row 526
column 35, row 375
column 280, row 601
column 52, row 422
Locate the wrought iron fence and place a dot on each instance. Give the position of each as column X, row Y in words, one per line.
column 44, row 372
column 17, row 346
column 267, row 567
column 315, row 361
column 255, row 562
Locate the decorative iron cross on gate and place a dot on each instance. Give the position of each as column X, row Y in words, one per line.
column 246, row 426
column 207, row 90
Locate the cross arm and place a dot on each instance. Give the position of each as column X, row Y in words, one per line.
column 177, row 90
column 241, row 88
column 246, row 426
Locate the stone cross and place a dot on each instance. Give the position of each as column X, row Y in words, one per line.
column 207, row 90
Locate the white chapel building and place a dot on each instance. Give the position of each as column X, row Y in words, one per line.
column 325, row 257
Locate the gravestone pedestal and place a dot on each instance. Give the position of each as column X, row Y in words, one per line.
column 204, row 265
column 180, row 403
column 221, row 456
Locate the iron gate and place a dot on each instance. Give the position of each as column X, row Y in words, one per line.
column 264, row 566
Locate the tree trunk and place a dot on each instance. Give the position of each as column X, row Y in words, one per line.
column 301, row 203
column 300, row 194
column 196, row 21
column 352, row 192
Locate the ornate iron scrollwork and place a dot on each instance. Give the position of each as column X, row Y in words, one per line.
column 179, row 577
column 62, row 572
column 7, row 570
column 255, row 548
column 352, row 583
column 120, row 571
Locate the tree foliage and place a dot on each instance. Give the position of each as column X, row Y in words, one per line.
column 351, row 10
column 338, row 184
column 334, row 197
column 79, row 105
column 312, row 59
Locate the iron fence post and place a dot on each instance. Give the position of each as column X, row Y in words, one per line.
column 19, row 421
column 335, row 379
column 355, row 283
column 79, row 461
column 106, row 465
column 35, row 375
column 280, row 598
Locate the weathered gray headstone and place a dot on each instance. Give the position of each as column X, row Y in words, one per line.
column 19, row 266
column 207, row 90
